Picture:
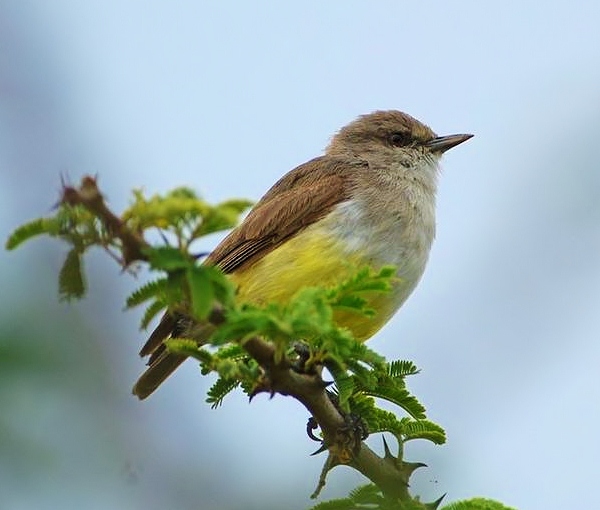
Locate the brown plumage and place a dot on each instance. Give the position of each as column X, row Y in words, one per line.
column 386, row 156
column 300, row 198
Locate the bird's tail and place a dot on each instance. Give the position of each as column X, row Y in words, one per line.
column 163, row 363
column 156, row 373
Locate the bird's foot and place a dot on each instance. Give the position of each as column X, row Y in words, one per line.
column 346, row 442
column 303, row 354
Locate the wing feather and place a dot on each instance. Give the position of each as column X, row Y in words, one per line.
column 301, row 197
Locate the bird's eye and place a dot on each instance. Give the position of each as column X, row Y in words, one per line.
column 399, row 139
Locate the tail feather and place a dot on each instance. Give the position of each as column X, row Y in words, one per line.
column 163, row 363
column 163, row 330
column 161, row 368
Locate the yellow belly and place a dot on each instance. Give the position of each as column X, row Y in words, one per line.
column 313, row 258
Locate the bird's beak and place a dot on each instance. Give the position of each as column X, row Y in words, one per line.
column 444, row 143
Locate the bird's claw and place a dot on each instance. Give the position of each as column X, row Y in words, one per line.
column 347, row 441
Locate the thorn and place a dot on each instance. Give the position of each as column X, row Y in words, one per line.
column 311, row 425
column 256, row 391
column 411, row 467
column 387, row 453
column 262, row 386
column 433, row 505
column 320, row 450
column 163, row 237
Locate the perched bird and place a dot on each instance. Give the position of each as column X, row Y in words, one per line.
column 370, row 200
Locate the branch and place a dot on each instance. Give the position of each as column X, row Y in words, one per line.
column 388, row 473
column 88, row 195
column 310, row 391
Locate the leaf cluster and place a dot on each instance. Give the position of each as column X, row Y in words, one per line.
column 81, row 230
column 369, row 497
column 183, row 213
column 360, row 375
column 180, row 213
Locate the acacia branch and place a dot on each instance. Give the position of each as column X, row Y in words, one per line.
column 308, row 389
column 88, row 195
column 388, row 473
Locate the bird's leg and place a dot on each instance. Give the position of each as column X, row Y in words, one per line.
column 302, row 351
column 348, row 438
column 345, row 443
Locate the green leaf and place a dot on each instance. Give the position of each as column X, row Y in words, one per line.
column 219, row 391
column 345, row 388
column 151, row 311
column 402, row 368
column 378, row 420
column 70, row 279
column 477, row 504
column 366, row 494
column 220, row 217
column 336, row 504
column 166, row 258
column 29, row 230
column 354, row 302
column 223, row 287
column 147, row 291
column 201, row 291
column 164, row 212
column 175, row 289
column 401, row 397
column 183, row 346
column 393, row 389
column 239, row 205
column 228, row 369
column 367, row 497
column 231, row 351
column 422, row 429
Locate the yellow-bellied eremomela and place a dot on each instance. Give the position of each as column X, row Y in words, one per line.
column 369, row 200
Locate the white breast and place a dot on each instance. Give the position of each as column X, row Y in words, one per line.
column 402, row 236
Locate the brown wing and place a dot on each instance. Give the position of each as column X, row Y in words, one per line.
column 297, row 200
column 300, row 198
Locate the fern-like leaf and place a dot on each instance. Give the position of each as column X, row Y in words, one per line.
column 232, row 351
column 220, row 390
column 402, row 368
column 379, row 420
column 422, row 429
column 477, row 504
column 221, row 217
column 188, row 347
column 201, row 291
column 167, row 258
column 71, row 284
column 367, row 497
column 29, row 230
column 345, row 388
column 368, row 494
column 399, row 396
column 145, row 292
column 335, row 504
column 151, row 311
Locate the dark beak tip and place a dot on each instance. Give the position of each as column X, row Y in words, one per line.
column 444, row 143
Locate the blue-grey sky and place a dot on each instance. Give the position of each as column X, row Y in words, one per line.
column 226, row 97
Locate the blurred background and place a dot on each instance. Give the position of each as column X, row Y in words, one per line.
column 226, row 97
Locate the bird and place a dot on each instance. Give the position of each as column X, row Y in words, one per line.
column 368, row 200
